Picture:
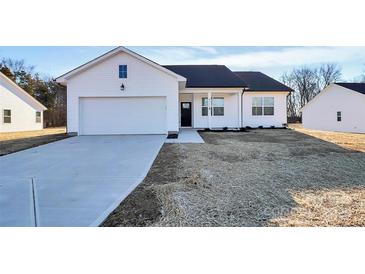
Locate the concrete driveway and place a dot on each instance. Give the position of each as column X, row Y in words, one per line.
column 76, row 181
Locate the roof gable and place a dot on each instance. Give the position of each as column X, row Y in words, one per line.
column 21, row 93
column 63, row 78
column 208, row 76
column 358, row 87
column 258, row 81
column 344, row 86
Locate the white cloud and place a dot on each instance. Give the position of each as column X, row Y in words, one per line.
column 210, row 50
column 275, row 61
column 288, row 57
column 296, row 56
column 178, row 55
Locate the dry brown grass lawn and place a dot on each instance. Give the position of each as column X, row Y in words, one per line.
column 16, row 141
column 326, row 207
column 351, row 141
column 256, row 178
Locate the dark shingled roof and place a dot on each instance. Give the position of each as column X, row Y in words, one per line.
column 208, row 76
column 258, row 81
column 359, row 87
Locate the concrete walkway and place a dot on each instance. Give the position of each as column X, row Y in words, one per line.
column 77, row 181
column 187, row 136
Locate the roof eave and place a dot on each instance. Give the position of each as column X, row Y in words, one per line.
column 65, row 77
column 42, row 107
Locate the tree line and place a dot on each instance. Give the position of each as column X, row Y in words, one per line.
column 307, row 83
column 51, row 94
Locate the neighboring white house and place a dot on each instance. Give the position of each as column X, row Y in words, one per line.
column 19, row 110
column 122, row 92
column 339, row 107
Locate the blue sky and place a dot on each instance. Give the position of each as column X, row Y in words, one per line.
column 54, row 61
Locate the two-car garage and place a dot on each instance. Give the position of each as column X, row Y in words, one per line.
column 122, row 115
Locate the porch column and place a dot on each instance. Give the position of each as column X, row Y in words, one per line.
column 209, row 110
column 239, row 109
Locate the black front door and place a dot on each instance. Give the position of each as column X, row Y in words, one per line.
column 186, row 114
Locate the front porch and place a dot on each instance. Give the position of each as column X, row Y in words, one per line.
column 202, row 109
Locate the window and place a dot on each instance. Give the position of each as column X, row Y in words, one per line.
column 256, row 106
column 7, row 116
column 204, row 106
column 38, row 117
column 123, row 71
column 339, row 116
column 217, row 106
column 186, row 105
column 268, row 105
column 262, row 106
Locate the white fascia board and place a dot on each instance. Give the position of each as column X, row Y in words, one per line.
column 63, row 78
column 315, row 97
column 40, row 106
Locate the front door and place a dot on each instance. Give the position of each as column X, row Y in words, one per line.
column 186, row 114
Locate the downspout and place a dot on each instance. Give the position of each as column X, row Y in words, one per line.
column 243, row 91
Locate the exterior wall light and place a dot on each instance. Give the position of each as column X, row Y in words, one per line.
column 122, row 88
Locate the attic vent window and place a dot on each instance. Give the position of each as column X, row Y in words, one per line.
column 123, row 72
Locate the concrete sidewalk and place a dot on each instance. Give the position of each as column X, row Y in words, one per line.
column 187, row 136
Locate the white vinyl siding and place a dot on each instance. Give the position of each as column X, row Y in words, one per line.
column 274, row 108
column 102, row 80
column 332, row 104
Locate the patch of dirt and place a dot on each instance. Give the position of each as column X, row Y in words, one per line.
column 17, row 141
column 142, row 207
column 239, row 179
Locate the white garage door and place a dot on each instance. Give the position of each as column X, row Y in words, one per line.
column 137, row 115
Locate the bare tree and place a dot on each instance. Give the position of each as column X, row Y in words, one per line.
column 16, row 65
column 307, row 83
column 292, row 99
column 328, row 74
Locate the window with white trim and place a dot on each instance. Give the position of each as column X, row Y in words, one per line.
column 204, row 106
column 7, row 116
column 38, row 117
column 268, row 105
column 262, row 106
column 217, row 106
column 339, row 116
column 256, row 106
column 123, row 73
